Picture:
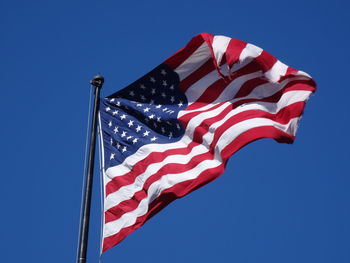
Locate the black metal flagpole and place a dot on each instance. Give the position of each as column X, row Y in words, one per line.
column 97, row 83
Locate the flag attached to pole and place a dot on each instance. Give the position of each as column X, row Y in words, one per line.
column 173, row 130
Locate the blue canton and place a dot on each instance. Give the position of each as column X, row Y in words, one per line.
column 144, row 112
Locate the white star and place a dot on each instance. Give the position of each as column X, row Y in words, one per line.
column 123, row 117
column 164, row 83
column 116, row 130
column 147, row 120
column 118, row 103
column 153, row 139
column 155, row 125
column 151, row 102
column 142, row 97
column 115, row 112
column 138, row 105
column 124, row 149
column 134, row 141
column 159, row 119
column 163, row 130
column 158, row 106
column 145, row 133
column 123, row 134
column 131, row 93
column 165, row 109
column 152, row 79
column 172, row 87
column 172, row 99
column 163, row 94
column 170, row 135
column 108, row 109
column 118, row 145
column 163, row 72
column 111, row 100
column 129, row 137
column 130, row 123
column 111, row 141
column 112, row 156
column 153, row 91
column 110, row 124
column 142, row 86
column 180, row 104
column 151, row 116
column 138, row 128
column 146, row 109
column 178, row 126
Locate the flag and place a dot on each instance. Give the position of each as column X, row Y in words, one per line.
column 173, row 130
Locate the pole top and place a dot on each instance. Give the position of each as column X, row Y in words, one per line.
column 97, row 81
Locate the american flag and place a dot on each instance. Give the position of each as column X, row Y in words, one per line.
column 173, row 130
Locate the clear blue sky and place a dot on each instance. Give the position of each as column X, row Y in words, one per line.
column 275, row 203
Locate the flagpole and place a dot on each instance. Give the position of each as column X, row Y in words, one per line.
column 96, row 83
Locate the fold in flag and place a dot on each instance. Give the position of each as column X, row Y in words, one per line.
column 173, row 130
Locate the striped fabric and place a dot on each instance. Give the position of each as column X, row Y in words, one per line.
column 224, row 94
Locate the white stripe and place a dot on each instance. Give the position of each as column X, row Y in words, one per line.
column 276, row 72
column 198, row 88
column 250, row 51
column 302, row 73
column 127, row 191
column 220, row 44
column 170, row 180
column 191, row 64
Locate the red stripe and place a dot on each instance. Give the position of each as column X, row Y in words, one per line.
column 283, row 117
column 291, row 71
column 234, row 50
column 265, row 61
column 210, row 94
column 223, row 59
column 205, row 177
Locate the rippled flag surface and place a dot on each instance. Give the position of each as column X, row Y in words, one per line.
column 172, row 131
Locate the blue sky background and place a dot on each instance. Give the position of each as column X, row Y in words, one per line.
column 275, row 203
